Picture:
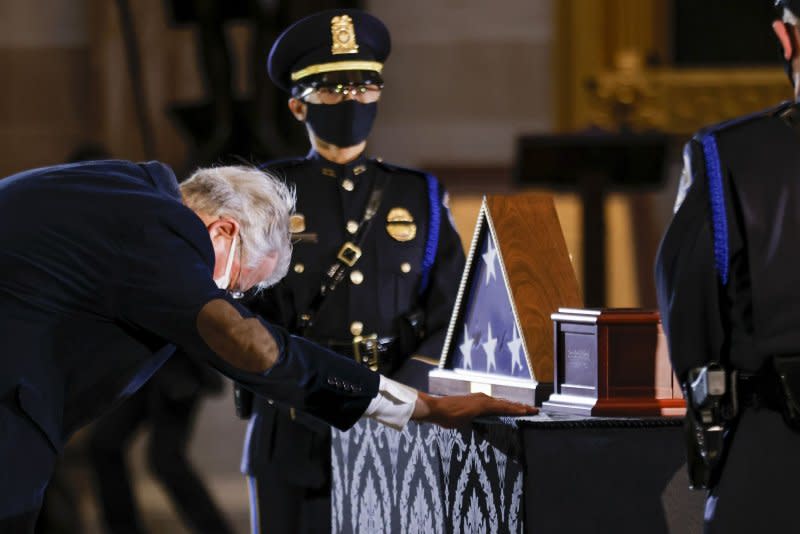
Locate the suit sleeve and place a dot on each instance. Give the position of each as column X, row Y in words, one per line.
column 687, row 285
column 445, row 277
column 308, row 377
column 163, row 280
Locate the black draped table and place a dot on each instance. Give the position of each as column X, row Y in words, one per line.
column 541, row 474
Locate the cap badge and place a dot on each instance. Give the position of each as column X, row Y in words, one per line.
column 400, row 224
column 297, row 223
column 343, row 35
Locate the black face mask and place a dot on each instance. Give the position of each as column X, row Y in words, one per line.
column 344, row 124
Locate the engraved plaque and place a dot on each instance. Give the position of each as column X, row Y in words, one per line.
column 579, row 360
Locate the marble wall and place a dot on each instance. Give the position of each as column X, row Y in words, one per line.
column 44, row 97
column 464, row 78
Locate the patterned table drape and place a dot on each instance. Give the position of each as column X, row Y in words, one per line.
column 427, row 480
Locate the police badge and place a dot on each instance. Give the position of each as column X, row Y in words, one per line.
column 297, row 223
column 343, row 36
column 400, row 224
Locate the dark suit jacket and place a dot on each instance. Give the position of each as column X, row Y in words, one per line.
column 102, row 270
column 728, row 288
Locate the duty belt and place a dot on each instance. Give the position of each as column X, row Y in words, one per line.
column 370, row 350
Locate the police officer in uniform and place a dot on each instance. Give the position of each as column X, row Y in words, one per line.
column 376, row 237
column 728, row 287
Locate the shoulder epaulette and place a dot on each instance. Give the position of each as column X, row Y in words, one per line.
column 397, row 168
column 740, row 121
column 284, row 163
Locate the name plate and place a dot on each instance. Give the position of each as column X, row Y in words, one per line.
column 612, row 362
column 579, row 360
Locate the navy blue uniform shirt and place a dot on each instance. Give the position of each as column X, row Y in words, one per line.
column 392, row 275
column 728, row 287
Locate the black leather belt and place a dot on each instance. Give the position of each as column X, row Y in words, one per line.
column 375, row 352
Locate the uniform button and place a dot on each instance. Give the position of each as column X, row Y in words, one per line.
column 331, row 381
column 356, row 277
column 405, row 267
column 299, row 268
column 347, row 184
column 352, row 226
column 356, row 327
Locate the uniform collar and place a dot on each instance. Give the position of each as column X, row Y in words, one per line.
column 339, row 170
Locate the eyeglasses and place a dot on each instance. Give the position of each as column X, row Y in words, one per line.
column 366, row 94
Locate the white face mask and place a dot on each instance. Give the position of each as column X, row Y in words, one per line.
column 224, row 281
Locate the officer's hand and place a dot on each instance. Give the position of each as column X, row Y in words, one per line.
column 456, row 411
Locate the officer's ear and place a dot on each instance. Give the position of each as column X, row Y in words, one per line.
column 298, row 109
column 786, row 34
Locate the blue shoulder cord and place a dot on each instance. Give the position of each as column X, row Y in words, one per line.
column 716, row 192
column 434, row 219
column 716, row 195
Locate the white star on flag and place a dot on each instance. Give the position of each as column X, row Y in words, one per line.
column 515, row 348
column 488, row 259
column 489, row 347
column 466, row 349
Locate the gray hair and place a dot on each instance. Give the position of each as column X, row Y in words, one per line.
column 257, row 200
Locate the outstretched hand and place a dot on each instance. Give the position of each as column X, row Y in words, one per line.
column 456, row 411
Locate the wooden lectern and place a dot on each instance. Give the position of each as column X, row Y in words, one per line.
column 518, row 272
